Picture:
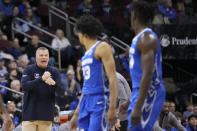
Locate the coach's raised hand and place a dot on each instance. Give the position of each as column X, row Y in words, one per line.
column 50, row 81
column 46, row 75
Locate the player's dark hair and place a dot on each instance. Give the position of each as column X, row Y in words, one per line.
column 144, row 12
column 89, row 25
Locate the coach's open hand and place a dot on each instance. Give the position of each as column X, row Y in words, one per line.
column 136, row 117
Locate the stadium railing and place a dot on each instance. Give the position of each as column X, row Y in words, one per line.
column 53, row 11
column 70, row 23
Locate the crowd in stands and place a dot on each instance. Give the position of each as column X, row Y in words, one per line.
column 17, row 51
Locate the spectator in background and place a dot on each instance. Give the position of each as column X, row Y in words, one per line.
column 63, row 44
column 70, row 67
column 31, row 19
column 3, row 36
column 167, row 120
column 22, row 63
column 195, row 109
column 15, row 49
column 7, row 23
column 189, row 111
column 190, row 17
column 172, row 107
column 106, row 13
column 32, row 47
column 13, row 66
column 125, row 60
column 180, row 11
column 79, row 73
column 6, row 7
column 73, row 88
column 3, row 91
column 106, row 9
column 2, row 15
column 86, row 7
column 192, row 123
column 3, row 69
column 178, row 116
column 167, row 11
column 73, row 85
column 12, row 76
column 127, row 11
column 12, row 96
column 23, row 7
column 11, row 108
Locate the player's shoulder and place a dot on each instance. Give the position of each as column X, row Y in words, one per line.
column 103, row 46
column 148, row 40
column 148, row 37
column 102, row 49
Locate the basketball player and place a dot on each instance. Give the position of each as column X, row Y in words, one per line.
column 148, row 92
column 93, row 113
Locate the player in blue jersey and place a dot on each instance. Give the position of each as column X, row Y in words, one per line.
column 96, row 112
column 148, row 92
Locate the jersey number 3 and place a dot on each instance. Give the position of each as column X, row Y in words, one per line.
column 86, row 72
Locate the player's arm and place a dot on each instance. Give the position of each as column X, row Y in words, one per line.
column 147, row 46
column 74, row 120
column 104, row 53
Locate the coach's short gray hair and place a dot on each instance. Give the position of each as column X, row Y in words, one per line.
column 41, row 48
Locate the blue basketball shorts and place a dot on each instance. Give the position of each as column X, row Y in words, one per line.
column 93, row 112
column 151, row 109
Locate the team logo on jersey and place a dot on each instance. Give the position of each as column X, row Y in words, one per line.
column 36, row 75
column 165, row 40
